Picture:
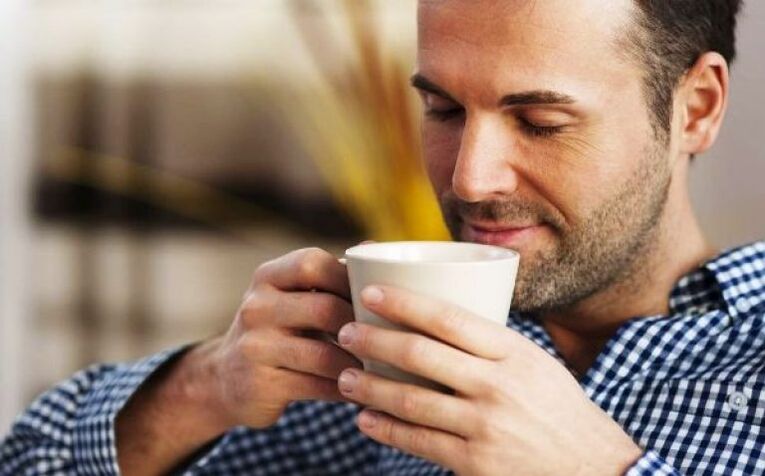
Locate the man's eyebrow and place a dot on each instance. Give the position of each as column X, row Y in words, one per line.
column 517, row 99
column 536, row 97
column 422, row 83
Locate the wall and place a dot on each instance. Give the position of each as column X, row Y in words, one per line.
column 728, row 182
column 14, row 167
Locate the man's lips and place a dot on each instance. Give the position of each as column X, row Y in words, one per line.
column 507, row 235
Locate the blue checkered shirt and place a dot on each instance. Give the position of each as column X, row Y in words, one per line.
column 688, row 387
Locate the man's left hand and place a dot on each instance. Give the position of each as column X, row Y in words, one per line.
column 515, row 409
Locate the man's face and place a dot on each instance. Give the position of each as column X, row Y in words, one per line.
column 537, row 137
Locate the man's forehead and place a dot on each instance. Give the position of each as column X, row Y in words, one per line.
column 497, row 7
column 495, row 21
column 492, row 47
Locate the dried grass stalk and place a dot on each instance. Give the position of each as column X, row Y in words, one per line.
column 359, row 125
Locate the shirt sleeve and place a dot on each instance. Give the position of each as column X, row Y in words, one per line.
column 651, row 464
column 70, row 428
column 311, row 438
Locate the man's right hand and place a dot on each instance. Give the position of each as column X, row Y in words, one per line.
column 272, row 354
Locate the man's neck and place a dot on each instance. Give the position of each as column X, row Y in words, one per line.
column 581, row 331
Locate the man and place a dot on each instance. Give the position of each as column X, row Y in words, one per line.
column 565, row 130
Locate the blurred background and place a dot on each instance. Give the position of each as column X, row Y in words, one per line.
column 154, row 153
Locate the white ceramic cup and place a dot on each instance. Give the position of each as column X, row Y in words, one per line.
column 479, row 278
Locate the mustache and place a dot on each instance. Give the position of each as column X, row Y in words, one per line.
column 513, row 209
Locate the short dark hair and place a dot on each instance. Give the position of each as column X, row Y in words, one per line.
column 669, row 36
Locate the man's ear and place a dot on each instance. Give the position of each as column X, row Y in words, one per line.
column 705, row 98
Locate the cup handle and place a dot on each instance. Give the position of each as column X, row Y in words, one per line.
column 342, row 261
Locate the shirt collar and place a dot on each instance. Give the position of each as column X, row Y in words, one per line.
column 739, row 277
column 733, row 284
column 697, row 292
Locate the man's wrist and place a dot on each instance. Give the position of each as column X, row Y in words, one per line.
column 193, row 386
column 615, row 449
column 624, row 453
column 630, row 456
column 172, row 415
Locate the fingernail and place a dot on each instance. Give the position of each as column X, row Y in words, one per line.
column 347, row 334
column 372, row 295
column 368, row 419
column 347, row 381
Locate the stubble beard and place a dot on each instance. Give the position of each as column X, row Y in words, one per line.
column 602, row 250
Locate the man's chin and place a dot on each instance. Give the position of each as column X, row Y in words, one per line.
column 541, row 283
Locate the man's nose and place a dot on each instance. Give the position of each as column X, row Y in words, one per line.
column 484, row 169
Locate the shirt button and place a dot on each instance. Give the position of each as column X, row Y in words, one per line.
column 737, row 401
column 743, row 304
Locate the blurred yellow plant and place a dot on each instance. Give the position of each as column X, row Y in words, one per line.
column 360, row 126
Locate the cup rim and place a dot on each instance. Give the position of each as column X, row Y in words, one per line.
column 354, row 253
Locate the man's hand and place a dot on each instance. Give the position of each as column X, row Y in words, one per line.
column 515, row 409
column 272, row 354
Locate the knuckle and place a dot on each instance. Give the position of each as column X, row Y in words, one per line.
column 313, row 255
column 256, row 306
column 413, row 439
column 250, row 347
column 283, row 388
column 362, row 342
column 308, row 263
column 390, row 432
column 310, row 355
column 306, row 271
column 321, row 354
column 261, row 272
column 297, row 352
column 409, row 403
column 335, row 315
column 322, row 307
column 314, row 252
column 289, row 356
column 414, row 352
column 491, row 428
column 451, row 322
column 496, row 389
column 484, row 423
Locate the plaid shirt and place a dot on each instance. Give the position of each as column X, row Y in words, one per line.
column 688, row 387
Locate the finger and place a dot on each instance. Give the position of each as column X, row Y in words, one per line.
column 437, row 446
column 318, row 311
column 309, row 356
column 411, row 403
column 304, row 270
column 296, row 386
column 444, row 321
column 417, row 354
